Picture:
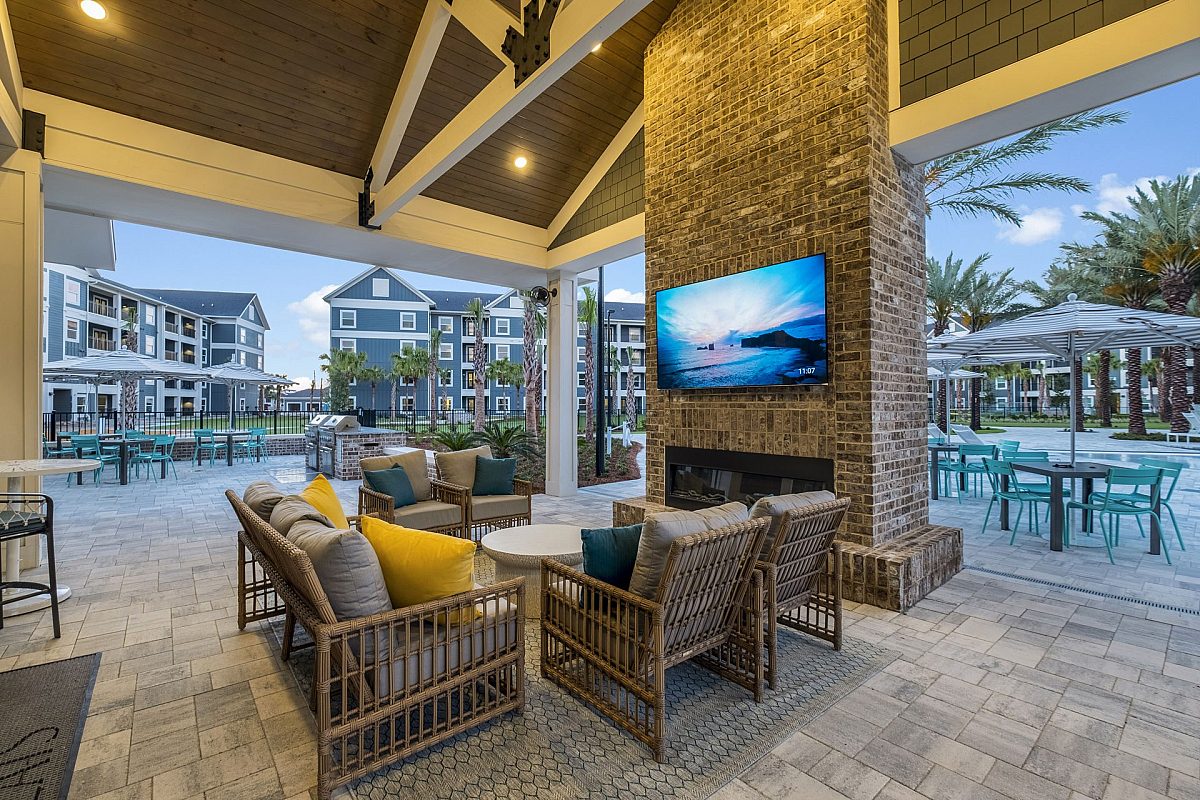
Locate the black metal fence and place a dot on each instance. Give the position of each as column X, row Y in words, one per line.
column 170, row 423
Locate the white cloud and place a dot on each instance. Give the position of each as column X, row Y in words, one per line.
column 624, row 296
column 1037, row 226
column 1112, row 195
column 312, row 315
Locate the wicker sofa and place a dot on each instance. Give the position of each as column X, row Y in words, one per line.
column 612, row 648
column 401, row 670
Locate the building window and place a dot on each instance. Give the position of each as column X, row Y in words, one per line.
column 150, row 315
column 639, row 380
column 149, row 405
column 502, row 351
column 468, row 378
column 446, row 403
column 445, row 378
column 503, row 403
column 250, row 314
column 349, row 345
column 150, row 345
column 583, row 329
column 580, row 379
column 348, row 318
column 469, row 352
column 72, row 332
column 242, row 357
column 582, row 403
column 580, row 354
column 500, row 326
column 242, row 403
column 468, row 327
column 381, row 287
column 408, row 321
column 81, row 403
column 635, row 357
column 446, row 324
column 445, row 352
column 635, row 334
column 407, row 404
column 71, row 290
column 407, row 346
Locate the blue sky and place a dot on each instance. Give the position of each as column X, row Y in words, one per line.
column 1159, row 138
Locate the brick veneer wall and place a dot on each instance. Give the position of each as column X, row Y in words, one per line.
column 766, row 140
column 947, row 42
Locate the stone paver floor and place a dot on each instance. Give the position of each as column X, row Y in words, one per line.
column 1004, row 688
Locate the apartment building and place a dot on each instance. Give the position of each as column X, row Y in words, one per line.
column 379, row 313
column 86, row 313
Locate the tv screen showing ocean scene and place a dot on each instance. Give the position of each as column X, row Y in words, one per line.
column 764, row 327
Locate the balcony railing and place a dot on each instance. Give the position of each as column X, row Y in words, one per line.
column 103, row 309
column 189, row 358
column 170, row 355
column 189, row 332
column 171, row 327
column 102, row 344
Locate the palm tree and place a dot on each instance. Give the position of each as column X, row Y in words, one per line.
column 129, row 386
column 477, row 313
column 505, row 372
column 990, row 296
column 433, row 370
column 342, row 366
column 630, row 397
column 973, row 182
column 946, row 286
column 529, row 360
column 373, row 375
column 407, row 367
column 587, row 317
column 1152, row 368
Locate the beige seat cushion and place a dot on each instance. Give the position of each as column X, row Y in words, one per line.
column 262, row 497
column 658, row 532
column 428, row 514
column 414, row 465
column 347, row 568
column 724, row 515
column 437, row 654
column 291, row 510
column 458, row 467
column 494, row 506
column 775, row 507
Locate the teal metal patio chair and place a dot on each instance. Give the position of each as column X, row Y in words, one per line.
column 56, row 450
column 163, row 451
column 141, row 454
column 965, row 468
column 1131, row 492
column 1171, row 471
column 997, row 471
column 90, row 447
column 206, row 442
column 256, row 445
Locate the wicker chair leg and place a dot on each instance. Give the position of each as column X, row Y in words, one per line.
column 756, row 591
column 660, row 694
column 242, row 565
column 289, row 631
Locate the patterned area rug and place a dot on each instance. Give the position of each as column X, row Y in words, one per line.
column 561, row 748
column 42, row 709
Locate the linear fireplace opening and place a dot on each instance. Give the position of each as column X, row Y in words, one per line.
column 698, row 478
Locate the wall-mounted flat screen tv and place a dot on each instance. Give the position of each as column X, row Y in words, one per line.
column 763, row 327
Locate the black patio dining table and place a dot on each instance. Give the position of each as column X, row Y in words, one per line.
column 125, row 445
column 1087, row 472
column 230, row 437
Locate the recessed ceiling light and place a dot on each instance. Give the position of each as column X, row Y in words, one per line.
column 520, row 162
column 596, row 47
column 93, row 9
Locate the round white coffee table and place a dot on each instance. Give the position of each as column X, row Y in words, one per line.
column 518, row 552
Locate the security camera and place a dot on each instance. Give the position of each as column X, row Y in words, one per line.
column 541, row 295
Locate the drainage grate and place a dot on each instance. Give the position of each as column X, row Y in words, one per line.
column 1092, row 592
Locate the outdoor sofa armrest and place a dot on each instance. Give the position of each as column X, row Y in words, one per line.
column 619, row 631
column 522, row 487
column 395, row 637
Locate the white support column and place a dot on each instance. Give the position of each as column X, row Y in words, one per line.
column 21, row 213
column 562, row 415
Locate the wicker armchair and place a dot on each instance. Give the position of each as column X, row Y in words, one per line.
column 484, row 513
column 403, row 670
column 612, row 648
column 802, row 580
column 445, row 511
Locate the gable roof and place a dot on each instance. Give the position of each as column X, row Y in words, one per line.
column 210, row 303
column 371, row 271
column 626, row 312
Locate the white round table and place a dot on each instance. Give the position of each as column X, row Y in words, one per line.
column 518, row 553
column 15, row 470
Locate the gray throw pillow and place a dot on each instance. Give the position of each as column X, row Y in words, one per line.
column 347, row 567
column 291, row 510
column 262, row 497
column 658, row 532
column 775, row 507
column 724, row 515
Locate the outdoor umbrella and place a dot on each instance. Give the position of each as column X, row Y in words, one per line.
column 233, row 374
column 1071, row 330
column 119, row 365
column 949, row 365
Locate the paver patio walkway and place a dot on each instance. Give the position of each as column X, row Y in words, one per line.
column 1004, row 688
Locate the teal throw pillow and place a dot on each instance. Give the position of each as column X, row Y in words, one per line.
column 609, row 553
column 393, row 482
column 494, row 475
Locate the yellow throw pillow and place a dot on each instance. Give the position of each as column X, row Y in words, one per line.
column 420, row 566
column 320, row 495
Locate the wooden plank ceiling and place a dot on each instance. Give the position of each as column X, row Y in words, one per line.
column 311, row 81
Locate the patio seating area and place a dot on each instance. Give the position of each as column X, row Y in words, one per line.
column 997, row 682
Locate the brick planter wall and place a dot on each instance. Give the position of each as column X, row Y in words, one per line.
column 766, row 140
column 281, row 445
